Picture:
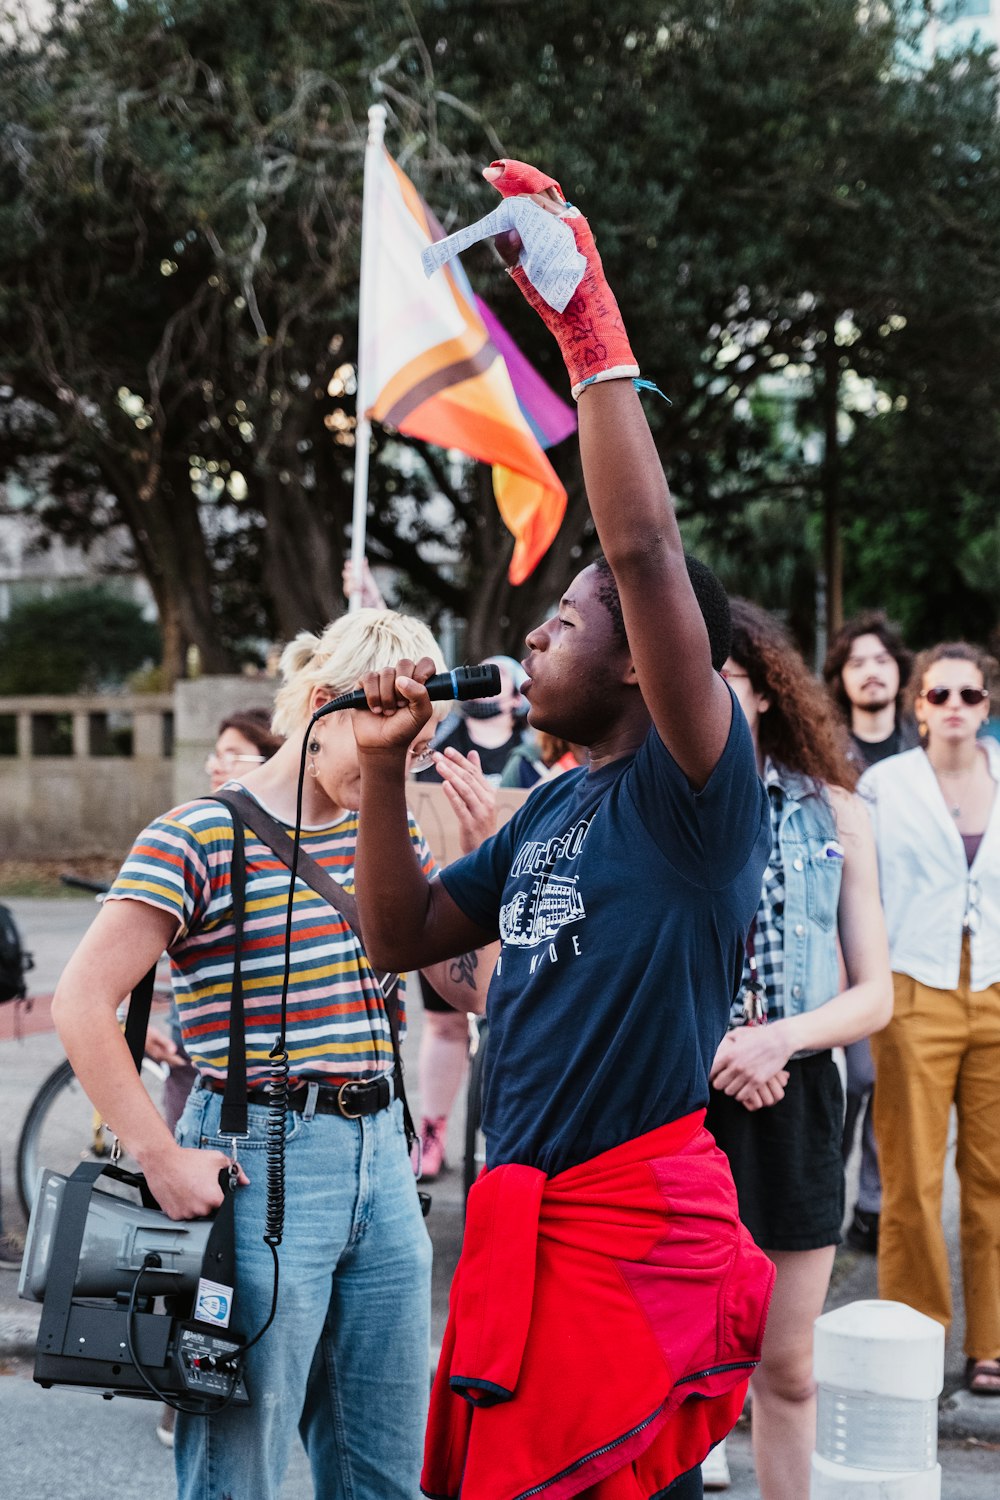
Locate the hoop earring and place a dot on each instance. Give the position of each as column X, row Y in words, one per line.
column 314, row 749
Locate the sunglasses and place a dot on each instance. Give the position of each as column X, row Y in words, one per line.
column 938, row 696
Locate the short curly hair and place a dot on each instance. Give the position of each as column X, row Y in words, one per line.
column 356, row 643
column 712, row 598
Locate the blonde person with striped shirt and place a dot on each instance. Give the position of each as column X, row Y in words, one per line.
column 346, row 1360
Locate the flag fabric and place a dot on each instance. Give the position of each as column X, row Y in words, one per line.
column 550, row 418
column 430, row 365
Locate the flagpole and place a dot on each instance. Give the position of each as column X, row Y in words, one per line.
column 363, row 427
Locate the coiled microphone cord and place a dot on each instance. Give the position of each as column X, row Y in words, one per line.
column 277, row 1088
column 274, row 1145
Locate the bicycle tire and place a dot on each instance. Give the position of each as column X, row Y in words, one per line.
column 474, row 1155
column 61, row 1129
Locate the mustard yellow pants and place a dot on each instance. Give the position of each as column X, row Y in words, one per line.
column 942, row 1047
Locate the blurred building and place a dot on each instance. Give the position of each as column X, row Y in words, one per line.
column 35, row 564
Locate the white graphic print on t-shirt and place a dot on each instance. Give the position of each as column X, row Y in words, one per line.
column 535, row 914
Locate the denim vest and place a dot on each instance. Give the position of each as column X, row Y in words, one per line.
column 812, row 860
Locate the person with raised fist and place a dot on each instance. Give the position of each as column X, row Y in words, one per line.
column 609, row 1305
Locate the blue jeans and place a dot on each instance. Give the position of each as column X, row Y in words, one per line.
column 346, row 1360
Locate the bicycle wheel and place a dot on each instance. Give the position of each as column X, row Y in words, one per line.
column 475, row 1141
column 62, row 1128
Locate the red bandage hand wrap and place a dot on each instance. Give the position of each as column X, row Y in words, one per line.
column 590, row 332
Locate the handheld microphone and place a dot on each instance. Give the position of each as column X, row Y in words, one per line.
column 460, row 682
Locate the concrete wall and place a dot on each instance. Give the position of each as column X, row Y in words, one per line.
column 200, row 706
column 88, row 798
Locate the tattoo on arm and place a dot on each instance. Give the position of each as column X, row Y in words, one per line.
column 462, row 970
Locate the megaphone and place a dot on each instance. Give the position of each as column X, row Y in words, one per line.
column 133, row 1303
column 118, row 1236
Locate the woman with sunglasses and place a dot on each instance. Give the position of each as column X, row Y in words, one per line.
column 937, row 828
column 776, row 1106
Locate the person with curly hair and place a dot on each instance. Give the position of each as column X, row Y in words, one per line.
column 937, row 828
column 776, row 1105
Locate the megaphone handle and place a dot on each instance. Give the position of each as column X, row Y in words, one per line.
column 68, row 1234
column 132, row 1179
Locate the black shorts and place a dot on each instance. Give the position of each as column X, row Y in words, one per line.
column 786, row 1159
column 432, row 1000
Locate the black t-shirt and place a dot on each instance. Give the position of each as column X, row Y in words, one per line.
column 871, row 751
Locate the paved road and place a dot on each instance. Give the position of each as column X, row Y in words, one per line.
column 80, row 1448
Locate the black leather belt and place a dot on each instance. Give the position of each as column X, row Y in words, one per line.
column 356, row 1097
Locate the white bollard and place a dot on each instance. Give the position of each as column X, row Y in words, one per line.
column 880, row 1369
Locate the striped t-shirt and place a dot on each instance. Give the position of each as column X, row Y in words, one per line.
column 337, row 1026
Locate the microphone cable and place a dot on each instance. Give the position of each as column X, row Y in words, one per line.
column 460, row 683
column 151, row 1261
column 277, row 1088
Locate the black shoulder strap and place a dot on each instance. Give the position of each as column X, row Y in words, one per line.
column 275, row 837
column 137, row 1020
column 271, row 832
column 233, row 1115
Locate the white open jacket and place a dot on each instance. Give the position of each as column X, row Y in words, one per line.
column 928, row 889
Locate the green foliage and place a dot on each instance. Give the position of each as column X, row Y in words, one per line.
column 80, row 640
column 776, row 185
column 779, row 189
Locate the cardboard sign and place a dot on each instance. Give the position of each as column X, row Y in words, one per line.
column 439, row 825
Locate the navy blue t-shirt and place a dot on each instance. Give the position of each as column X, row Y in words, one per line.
column 622, row 899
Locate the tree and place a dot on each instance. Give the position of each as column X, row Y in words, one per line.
column 775, row 186
column 786, row 190
column 81, row 640
column 180, row 201
column 162, row 352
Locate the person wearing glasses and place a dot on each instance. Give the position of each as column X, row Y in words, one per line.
column 937, row 828
column 244, row 740
column 345, row 1363
column 815, row 976
column 485, row 732
column 479, row 737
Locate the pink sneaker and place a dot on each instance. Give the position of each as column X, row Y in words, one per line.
column 432, row 1134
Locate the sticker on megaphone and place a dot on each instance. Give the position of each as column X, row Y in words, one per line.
column 214, row 1303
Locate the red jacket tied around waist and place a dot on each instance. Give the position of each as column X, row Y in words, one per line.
column 603, row 1325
